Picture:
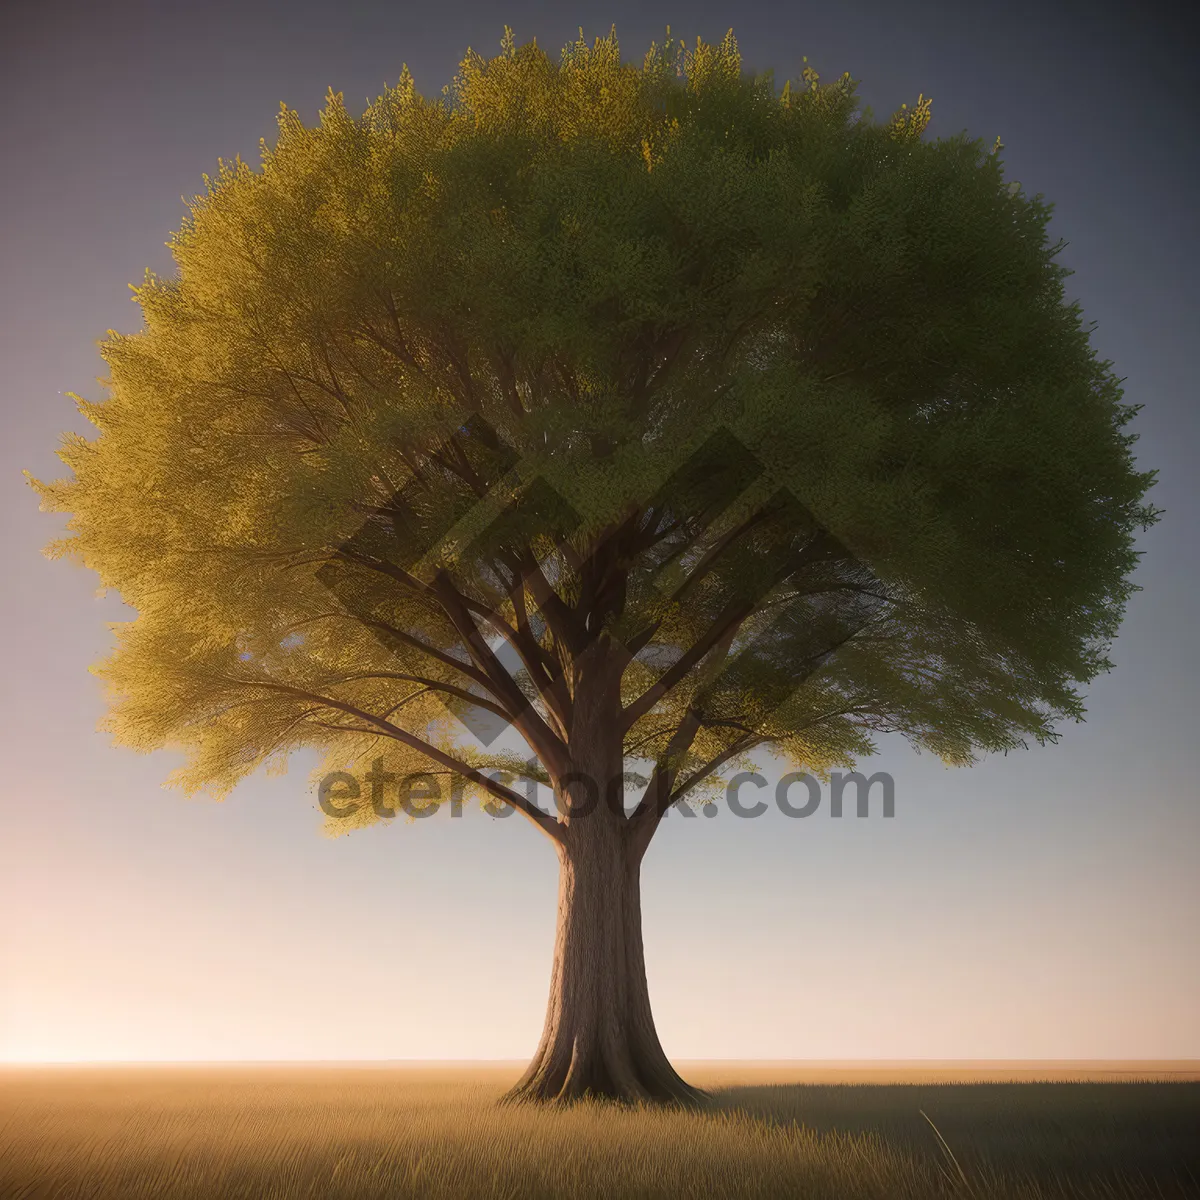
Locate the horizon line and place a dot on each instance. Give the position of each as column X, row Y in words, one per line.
column 1097, row 1063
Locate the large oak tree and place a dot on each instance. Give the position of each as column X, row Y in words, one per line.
column 654, row 415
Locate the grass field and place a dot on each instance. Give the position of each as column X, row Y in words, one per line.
column 260, row 1132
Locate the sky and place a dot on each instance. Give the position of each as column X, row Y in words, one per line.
column 1038, row 905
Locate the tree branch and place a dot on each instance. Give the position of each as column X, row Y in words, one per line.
column 741, row 746
column 528, row 721
column 560, row 618
column 656, row 798
column 428, row 685
column 724, row 626
column 547, row 824
column 534, row 658
column 472, row 673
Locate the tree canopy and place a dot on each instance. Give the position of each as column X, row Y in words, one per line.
column 786, row 403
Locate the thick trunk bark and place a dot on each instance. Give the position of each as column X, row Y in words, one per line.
column 599, row 1037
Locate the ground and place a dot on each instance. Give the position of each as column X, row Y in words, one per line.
column 267, row 1132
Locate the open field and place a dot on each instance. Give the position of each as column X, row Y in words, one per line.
column 394, row 1130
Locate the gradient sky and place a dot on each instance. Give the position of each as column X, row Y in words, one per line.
column 1039, row 905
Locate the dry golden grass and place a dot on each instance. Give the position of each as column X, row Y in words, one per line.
column 407, row 1131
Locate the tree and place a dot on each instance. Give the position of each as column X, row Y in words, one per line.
column 656, row 416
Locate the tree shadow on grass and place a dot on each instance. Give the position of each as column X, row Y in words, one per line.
column 1132, row 1134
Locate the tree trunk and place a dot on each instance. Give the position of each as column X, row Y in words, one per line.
column 599, row 1038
